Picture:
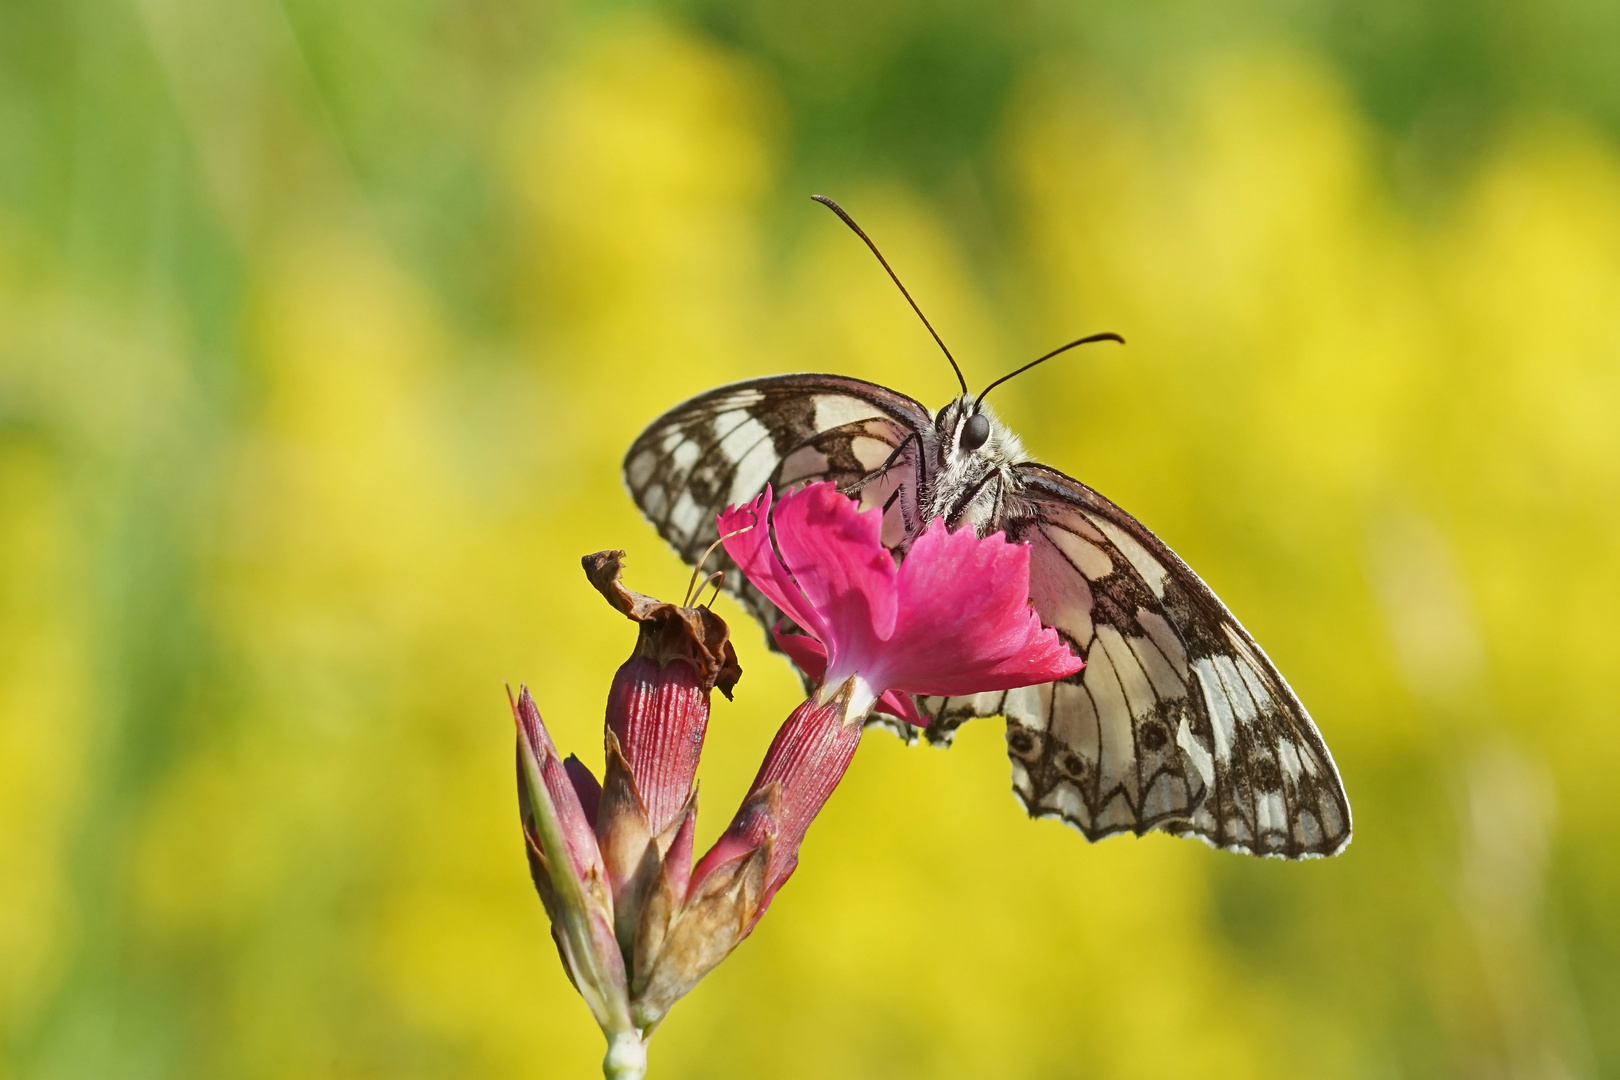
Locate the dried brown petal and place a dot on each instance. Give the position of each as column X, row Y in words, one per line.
column 696, row 636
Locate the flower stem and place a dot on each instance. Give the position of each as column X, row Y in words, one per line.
column 626, row 1057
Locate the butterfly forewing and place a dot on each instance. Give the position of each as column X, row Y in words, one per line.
column 722, row 447
column 1178, row 722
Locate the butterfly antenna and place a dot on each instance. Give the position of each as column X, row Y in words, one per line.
column 839, row 210
column 1060, row 349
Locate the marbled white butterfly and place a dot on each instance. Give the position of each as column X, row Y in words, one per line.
column 1178, row 722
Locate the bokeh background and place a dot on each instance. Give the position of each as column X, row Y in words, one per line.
column 323, row 327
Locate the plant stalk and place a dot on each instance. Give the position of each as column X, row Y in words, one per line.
column 626, row 1057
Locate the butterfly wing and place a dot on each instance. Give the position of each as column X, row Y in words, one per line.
column 1178, row 722
column 722, row 447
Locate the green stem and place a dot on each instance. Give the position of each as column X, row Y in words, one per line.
column 626, row 1057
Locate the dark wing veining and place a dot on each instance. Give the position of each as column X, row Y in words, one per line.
column 1179, row 722
column 722, row 447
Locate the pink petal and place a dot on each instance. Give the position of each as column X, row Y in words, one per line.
column 803, row 650
column 836, row 554
column 586, row 786
column 953, row 618
column 965, row 623
column 898, row 703
column 751, row 550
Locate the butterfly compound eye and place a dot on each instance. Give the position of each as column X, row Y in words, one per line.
column 975, row 431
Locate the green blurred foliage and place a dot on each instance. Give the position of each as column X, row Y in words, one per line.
column 322, row 329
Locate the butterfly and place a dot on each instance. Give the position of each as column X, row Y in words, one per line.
column 1178, row 722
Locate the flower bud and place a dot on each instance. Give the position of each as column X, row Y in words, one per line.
column 568, row 872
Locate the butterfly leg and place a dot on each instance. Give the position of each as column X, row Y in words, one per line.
column 881, row 471
column 968, row 498
column 909, row 526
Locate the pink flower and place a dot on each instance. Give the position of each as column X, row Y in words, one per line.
column 953, row 617
column 636, row 924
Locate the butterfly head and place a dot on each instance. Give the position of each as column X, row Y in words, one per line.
column 976, row 449
column 975, row 432
column 971, row 433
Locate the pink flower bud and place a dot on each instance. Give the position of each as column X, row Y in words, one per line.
column 557, row 788
column 657, row 717
column 660, row 715
column 568, row 872
column 636, row 924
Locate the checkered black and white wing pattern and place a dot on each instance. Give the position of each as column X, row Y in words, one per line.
column 722, row 447
column 1178, row 722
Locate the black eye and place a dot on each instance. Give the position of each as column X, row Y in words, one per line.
column 975, row 431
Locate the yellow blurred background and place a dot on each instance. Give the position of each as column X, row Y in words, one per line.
column 323, row 328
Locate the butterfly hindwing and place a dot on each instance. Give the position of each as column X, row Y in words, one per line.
column 1179, row 721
